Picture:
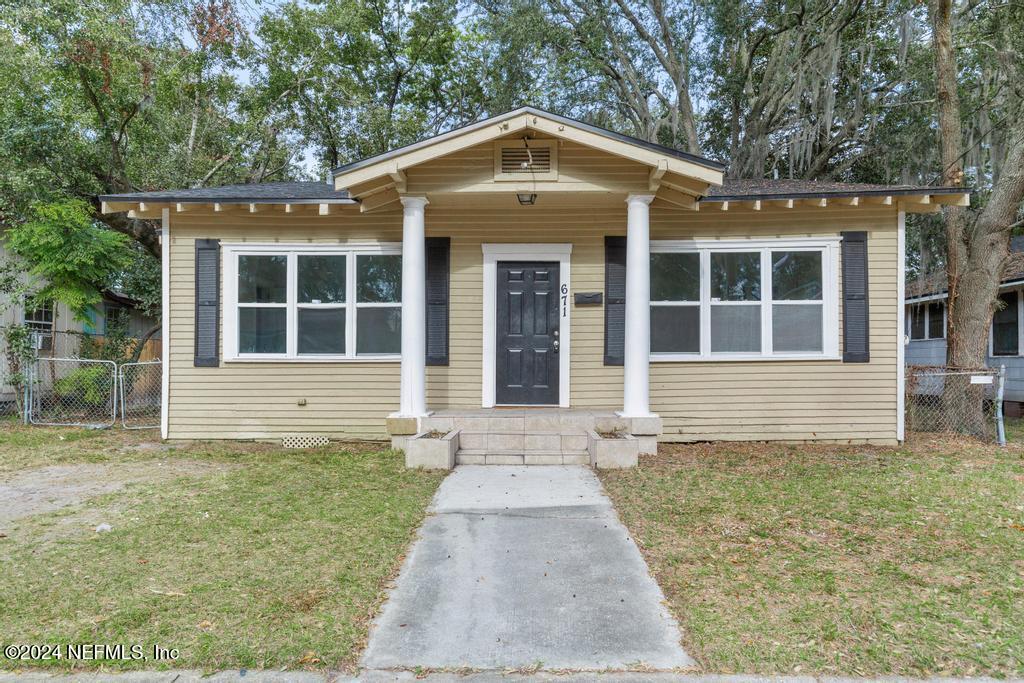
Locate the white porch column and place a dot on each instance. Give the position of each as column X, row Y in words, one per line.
column 636, row 373
column 414, row 309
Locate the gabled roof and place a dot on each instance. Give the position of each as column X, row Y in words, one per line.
column 677, row 177
column 531, row 111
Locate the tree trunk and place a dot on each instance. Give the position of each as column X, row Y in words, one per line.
column 976, row 250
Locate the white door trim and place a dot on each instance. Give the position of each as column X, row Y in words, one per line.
column 525, row 252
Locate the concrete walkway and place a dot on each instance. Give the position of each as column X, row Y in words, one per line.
column 523, row 567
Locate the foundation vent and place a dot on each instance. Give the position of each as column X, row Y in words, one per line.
column 305, row 441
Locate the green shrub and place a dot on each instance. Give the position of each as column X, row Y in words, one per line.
column 88, row 386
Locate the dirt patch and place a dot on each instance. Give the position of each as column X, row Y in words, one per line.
column 46, row 489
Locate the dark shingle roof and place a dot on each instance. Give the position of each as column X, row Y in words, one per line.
column 296, row 192
column 785, row 189
column 936, row 282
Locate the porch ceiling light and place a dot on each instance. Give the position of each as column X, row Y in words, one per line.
column 526, row 198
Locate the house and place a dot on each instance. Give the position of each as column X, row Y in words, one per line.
column 58, row 333
column 568, row 274
column 926, row 325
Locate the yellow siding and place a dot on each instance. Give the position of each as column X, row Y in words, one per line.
column 828, row 400
column 698, row 401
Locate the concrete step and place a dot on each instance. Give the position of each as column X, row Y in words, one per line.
column 524, row 442
column 498, row 457
column 551, row 422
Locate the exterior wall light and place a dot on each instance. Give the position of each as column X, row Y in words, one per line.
column 526, row 198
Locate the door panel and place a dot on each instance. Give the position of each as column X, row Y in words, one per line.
column 527, row 319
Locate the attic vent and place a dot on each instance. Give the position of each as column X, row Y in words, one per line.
column 526, row 160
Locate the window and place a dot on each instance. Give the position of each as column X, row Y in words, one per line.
column 313, row 303
column 675, row 303
column 926, row 321
column 936, row 320
column 115, row 319
column 1005, row 336
column 39, row 320
column 744, row 299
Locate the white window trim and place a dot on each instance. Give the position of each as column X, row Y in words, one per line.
column 525, row 252
column 926, row 307
column 230, row 254
column 829, row 248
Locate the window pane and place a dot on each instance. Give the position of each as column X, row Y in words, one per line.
column 379, row 279
column 262, row 279
column 797, row 327
column 675, row 329
column 262, row 330
column 936, row 330
column 917, row 321
column 1004, row 326
column 321, row 330
column 796, row 275
column 736, row 329
column 321, row 279
column 379, row 330
column 736, row 276
column 675, row 277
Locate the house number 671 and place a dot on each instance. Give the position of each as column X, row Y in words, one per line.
column 565, row 300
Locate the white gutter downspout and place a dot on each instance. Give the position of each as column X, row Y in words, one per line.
column 165, row 322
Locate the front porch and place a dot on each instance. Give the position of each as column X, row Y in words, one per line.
column 529, row 436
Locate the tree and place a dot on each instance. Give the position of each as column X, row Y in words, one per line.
column 624, row 65
column 359, row 77
column 108, row 96
column 977, row 242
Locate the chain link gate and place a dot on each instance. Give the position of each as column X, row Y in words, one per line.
column 140, row 385
column 73, row 392
column 962, row 401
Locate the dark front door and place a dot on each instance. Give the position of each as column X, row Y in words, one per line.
column 527, row 329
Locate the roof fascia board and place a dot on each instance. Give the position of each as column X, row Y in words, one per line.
column 826, row 194
column 128, row 199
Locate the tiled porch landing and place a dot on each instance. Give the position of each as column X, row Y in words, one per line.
column 532, row 436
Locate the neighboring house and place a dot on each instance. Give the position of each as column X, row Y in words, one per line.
column 58, row 332
column 532, row 260
column 926, row 323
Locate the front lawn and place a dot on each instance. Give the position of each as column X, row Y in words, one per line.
column 837, row 560
column 238, row 555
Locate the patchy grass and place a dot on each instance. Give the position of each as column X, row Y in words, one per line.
column 278, row 560
column 837, row 560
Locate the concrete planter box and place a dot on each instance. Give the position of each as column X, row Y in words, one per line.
column 429, row 453
column 614, row 453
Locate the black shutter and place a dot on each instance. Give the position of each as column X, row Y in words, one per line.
column 614, row 300
column 855, row 298
column 438, row 264
column 207, row 303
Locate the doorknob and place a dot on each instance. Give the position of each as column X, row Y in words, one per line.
column 556, row 346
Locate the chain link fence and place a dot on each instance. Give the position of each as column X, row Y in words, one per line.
column 140, row 386
column 73, row 392
column 960, row 401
